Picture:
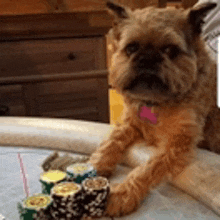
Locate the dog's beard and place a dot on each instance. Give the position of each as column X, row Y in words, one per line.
column 148, row 88
column 143, row 84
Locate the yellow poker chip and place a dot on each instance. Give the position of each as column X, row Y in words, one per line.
column 53, row 176
column 37, row 201
column 65, row 189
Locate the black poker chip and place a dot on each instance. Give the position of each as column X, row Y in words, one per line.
column 96, row 191
column 67, row 201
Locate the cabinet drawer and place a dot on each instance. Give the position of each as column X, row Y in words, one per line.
column 55, row 88
column 12, row 97
column 40, row 57
column 68, row 99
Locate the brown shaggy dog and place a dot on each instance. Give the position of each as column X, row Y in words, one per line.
column 168, row 81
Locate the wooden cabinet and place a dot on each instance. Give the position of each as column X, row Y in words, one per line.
column 43, row 57
column 12, row 97
column 82, row 95
column 79, row 99
column 58, row 71
column 54, row 6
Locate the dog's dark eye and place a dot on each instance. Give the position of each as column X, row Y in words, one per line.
column 132, row 48
column 171, row 50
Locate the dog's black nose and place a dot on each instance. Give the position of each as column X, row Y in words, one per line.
column 148, row 60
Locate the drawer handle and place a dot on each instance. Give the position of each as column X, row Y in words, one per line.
column 71, row 56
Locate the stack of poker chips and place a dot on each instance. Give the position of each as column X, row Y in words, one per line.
column 67, row 201
column 80, row 171
column 73, row 194
column 34, row 206
column 50, row 178
column 95, row 193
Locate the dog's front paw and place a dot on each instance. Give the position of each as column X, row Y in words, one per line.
column 121, row 201
column 100, row 165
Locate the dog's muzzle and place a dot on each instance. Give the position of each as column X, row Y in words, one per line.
column 147, row 82
column 146, row 67
column 148, row 61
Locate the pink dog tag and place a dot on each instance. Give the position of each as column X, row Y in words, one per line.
column 147, row 113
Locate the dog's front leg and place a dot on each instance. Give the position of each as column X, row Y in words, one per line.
column 111, row 150
column 173, row 156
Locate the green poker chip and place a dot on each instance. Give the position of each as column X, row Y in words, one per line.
column 31, row 206
column 80, row 171
column 50, row 178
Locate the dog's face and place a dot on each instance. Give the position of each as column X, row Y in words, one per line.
column 156, row 51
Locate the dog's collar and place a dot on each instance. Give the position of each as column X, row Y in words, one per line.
column 147, row 112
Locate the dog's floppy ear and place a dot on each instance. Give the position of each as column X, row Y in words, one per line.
column 197, row 14
column 119, row 12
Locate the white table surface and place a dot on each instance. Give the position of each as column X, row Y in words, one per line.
column 164, row 203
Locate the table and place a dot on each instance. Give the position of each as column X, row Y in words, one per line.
column 165, row 202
